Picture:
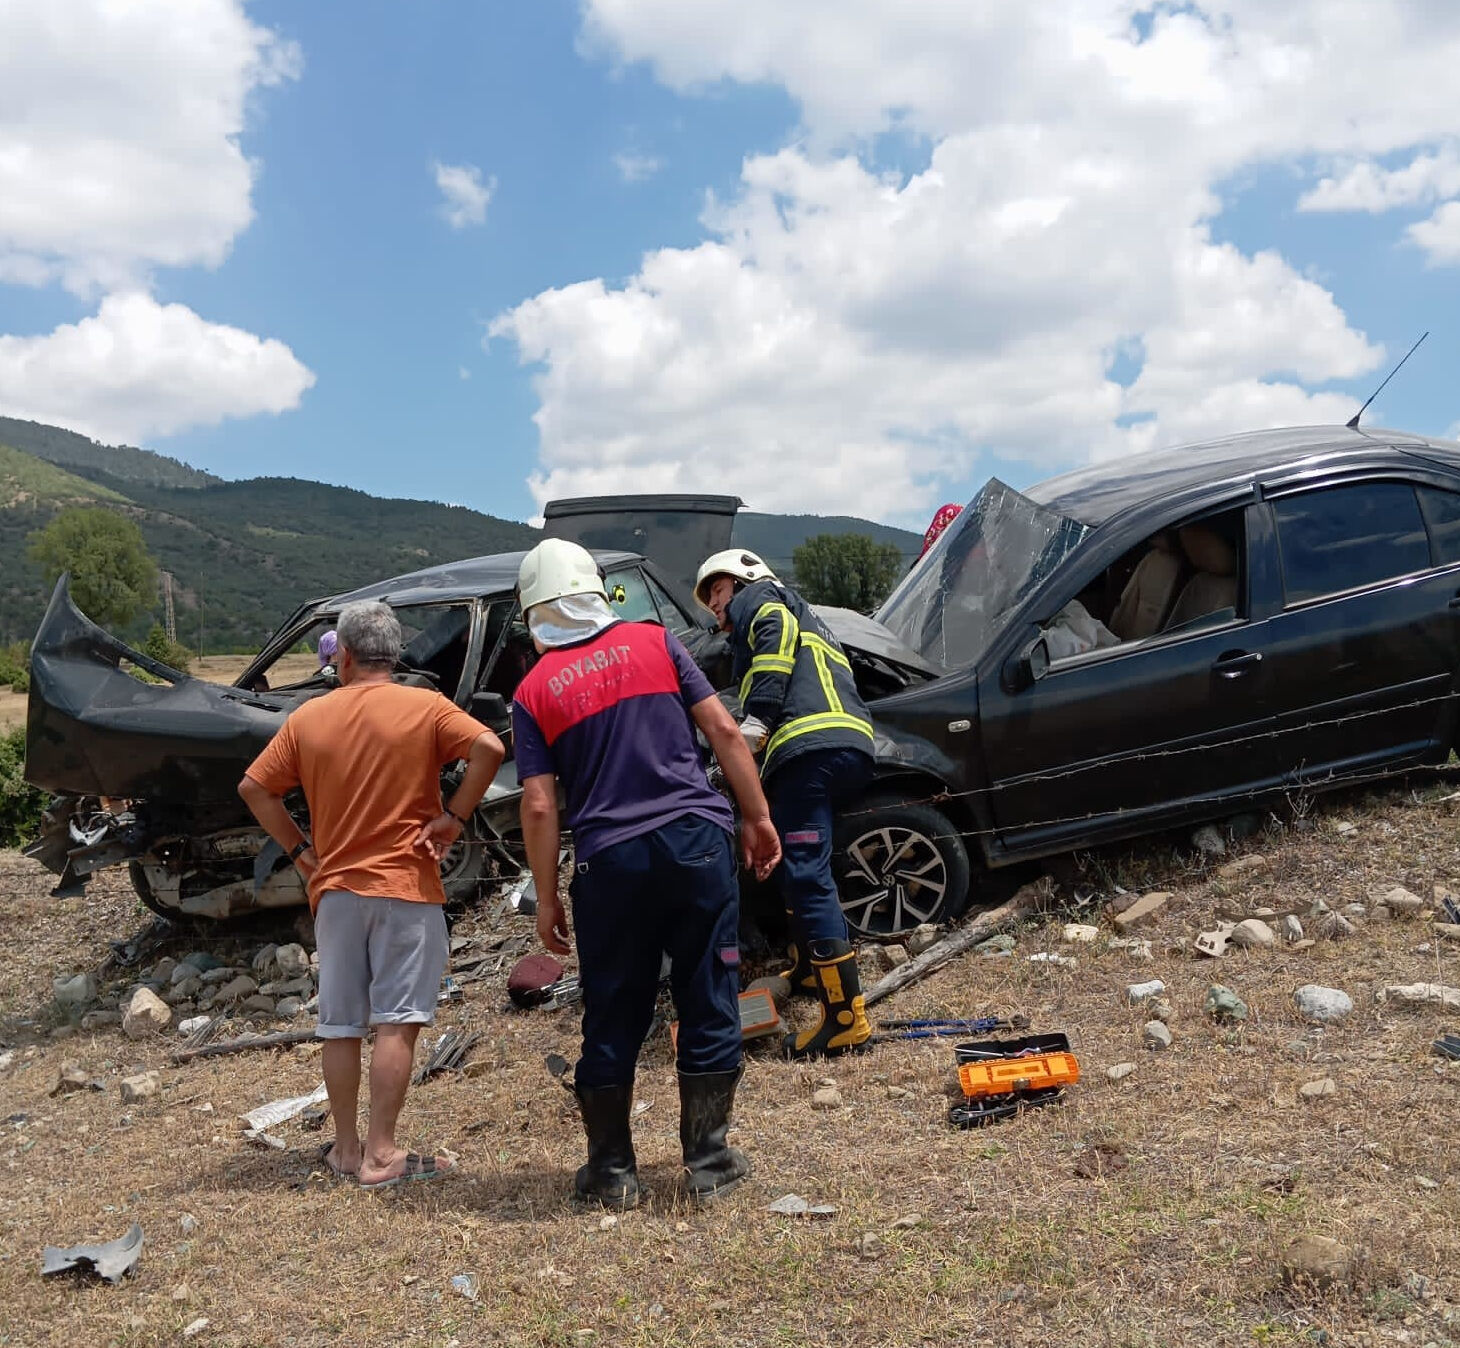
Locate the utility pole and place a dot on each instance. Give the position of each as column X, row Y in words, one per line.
column 200, row 615
column 169, row 616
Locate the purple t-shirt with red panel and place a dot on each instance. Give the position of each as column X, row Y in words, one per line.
column 609, row 717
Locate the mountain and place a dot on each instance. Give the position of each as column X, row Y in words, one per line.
column 244, row 554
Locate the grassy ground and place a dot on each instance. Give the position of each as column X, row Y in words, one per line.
column 1145, row 1212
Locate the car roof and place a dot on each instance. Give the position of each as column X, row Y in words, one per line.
column 1095, row 494
column 467, row 579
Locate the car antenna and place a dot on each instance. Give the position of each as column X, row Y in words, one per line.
column 1353, row 422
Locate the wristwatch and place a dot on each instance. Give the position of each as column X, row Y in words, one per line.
column 299, row 848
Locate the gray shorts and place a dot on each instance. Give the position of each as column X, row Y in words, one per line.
column 380, row 962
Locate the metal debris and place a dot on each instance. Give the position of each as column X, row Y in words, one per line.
column 112, row 1260
column 280, row 1111
column 793, row 1205
column 451, row 1048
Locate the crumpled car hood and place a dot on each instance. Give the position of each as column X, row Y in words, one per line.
column 94, row 730
column 857, row 632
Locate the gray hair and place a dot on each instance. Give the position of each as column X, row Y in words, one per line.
column 370, row 631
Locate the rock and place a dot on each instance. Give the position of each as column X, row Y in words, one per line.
column 1223, row 1004
column 898, row 1093
column 1317, row 1259
column 870, row 1246
column 1143, row 910
column 263, row 963
column 778, row 987
column 146, row 1014
column 1318, row 1090
column 202, row 961
column 1307, row 943
column 895, row 955
column 1380, row 913
column 1143, row 992
column 920, row 938
column 1355, row 910
column 1345, row 827
column 1401, row 901
column 827, row 1097
column 1119, row 1071
column 1079, row 933
column 1244, row 867
column 1447, row 931
column 68, row 1077
column 236, row 988
column 192, row 1025
column 1137, row 947
column 1334, row 927
column 1425, row 1182
column 1298, row 1048
column 1209, row 842
column 1290, row 929
column 1327, row 1006
column 219, row 974
column 1421, row 994
column 74, row 991
column 288, row 1007
column 1253, row 934
column 293, row 961
column 911, row 1222
column 1156, row 1036
column 186, row 990
column 184, row 971
column 258, row 1004
column 162, row 971
column 6, row 1059
column 100, row 1020
column 1162, row 1010
column 143, row 1086
column 1002, row 944
column 1120, row 903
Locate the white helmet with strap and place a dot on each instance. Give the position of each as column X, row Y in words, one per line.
column 554, row 568
column 735, row 562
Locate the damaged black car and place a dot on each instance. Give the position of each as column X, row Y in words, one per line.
column 1140, row 644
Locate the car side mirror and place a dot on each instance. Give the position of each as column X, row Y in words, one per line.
column 1029, row 666
column 491, row 710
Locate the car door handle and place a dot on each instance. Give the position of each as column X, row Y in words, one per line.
column 1234, row 664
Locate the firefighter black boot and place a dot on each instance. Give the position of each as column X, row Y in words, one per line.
column 710, row 1166
column 610, row 1177
column 843, row 1024
column 801, row 976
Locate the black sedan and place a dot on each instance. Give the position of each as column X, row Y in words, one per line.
column 1158, row 640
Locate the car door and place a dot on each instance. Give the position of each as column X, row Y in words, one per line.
column 1363, row 650
column 1110, row 742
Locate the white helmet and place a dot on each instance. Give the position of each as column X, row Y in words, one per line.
column 736, row 562
column 554, row 568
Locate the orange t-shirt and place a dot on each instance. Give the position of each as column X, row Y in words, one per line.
column 369, row 757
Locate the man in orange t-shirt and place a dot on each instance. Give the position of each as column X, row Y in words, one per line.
column 369, row 757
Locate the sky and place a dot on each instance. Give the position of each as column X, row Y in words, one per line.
column 834, row 256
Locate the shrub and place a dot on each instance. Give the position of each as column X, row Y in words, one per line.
column 21, row 804
column 15, row 666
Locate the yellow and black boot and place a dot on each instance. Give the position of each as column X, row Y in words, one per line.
column 843, row 1024
column 801, row 976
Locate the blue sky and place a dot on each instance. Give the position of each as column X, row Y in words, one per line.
column 834, row 258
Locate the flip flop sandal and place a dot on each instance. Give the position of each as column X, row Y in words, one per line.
column 322, row 1158
column 417, row 1168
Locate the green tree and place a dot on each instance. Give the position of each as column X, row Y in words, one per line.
column 847, row 570
column 171, row 653
column 20, row 804
column 113, row 578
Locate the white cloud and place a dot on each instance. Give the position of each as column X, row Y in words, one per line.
column 853, row 340
column 465, row 195
column 138, row 369
column 119, row 135
column 636, row 168
column 1439, row 236
column 1367, row 186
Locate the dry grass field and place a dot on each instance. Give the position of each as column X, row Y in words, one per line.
column 1149, row 1211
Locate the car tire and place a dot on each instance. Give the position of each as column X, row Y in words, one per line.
column 465, row 864
column 899, row 864
column 143, row 890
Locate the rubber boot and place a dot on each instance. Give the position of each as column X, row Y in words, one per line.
column 801, row 976
column 710, row 1166
column 843, row 1024
column 610, row 1177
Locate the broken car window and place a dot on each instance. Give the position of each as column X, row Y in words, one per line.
column 951, row 605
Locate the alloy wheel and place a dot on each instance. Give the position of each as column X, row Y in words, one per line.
column 895, row 879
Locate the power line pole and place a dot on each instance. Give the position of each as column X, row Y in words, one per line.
column 169, row 616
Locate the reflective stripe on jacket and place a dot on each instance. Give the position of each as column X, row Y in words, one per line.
column 793, row 675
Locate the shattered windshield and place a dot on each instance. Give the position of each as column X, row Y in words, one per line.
column 950, row 606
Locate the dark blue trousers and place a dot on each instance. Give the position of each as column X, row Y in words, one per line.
column 803, row 796
column 673, row 890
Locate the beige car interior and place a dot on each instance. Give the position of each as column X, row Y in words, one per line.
column 1176, row 578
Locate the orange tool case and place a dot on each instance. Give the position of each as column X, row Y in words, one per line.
column 999, row 1077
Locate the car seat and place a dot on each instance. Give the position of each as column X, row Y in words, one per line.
column 1147, row 596
column 1214, row 586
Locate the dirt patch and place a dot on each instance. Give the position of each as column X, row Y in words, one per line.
column 12, row 708
column 1148, row 1211
column 226, row 668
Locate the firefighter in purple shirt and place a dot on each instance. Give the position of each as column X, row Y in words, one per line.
column 609, row 712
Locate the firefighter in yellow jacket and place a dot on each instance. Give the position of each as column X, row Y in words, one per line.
column 805, row 718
